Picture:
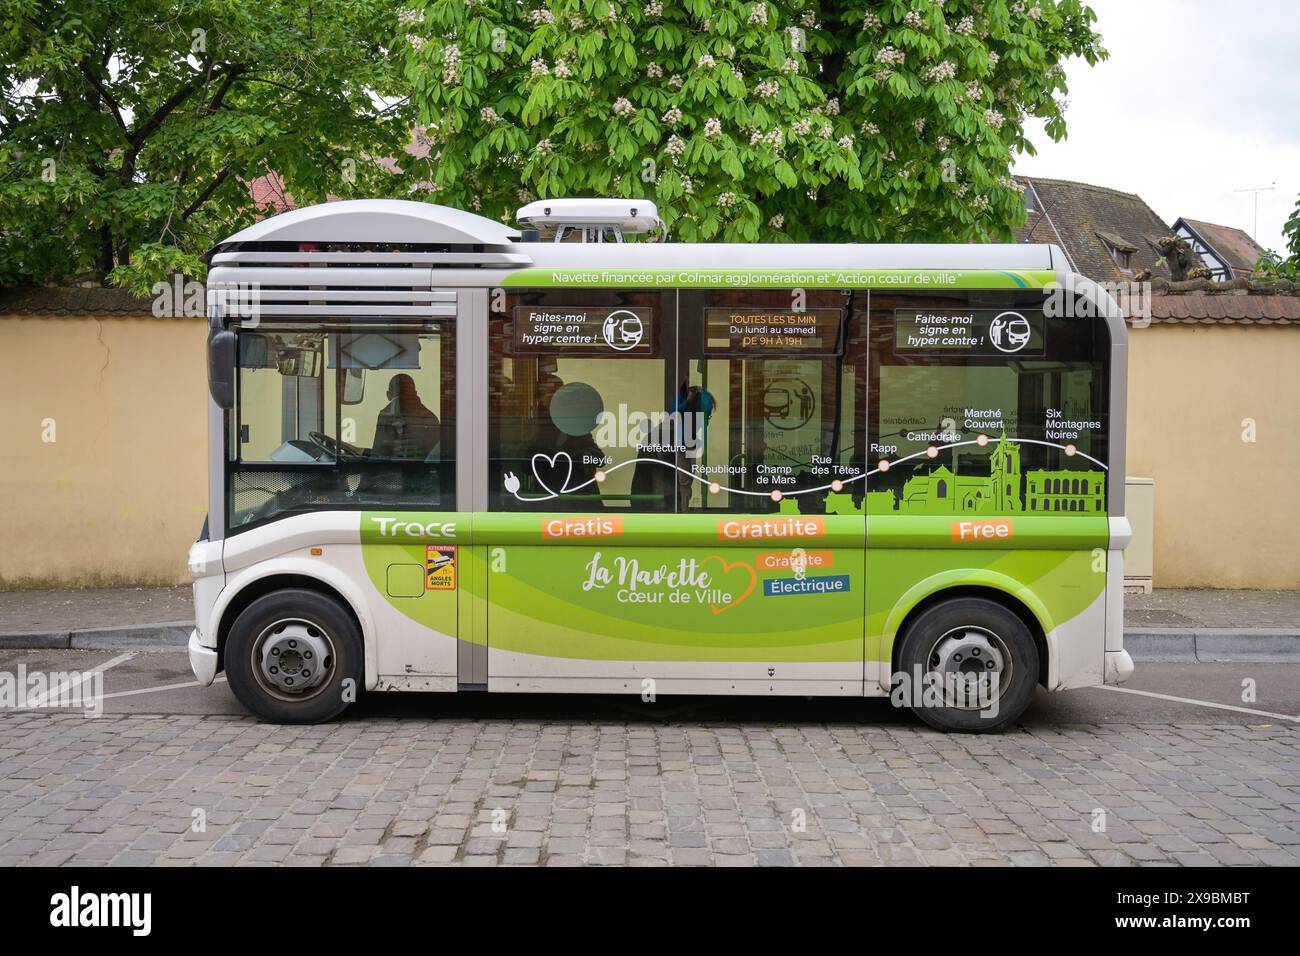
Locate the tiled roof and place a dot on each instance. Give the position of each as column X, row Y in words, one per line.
column 72, row 300
column 1077, row 215
column 1240, row 251
column 1201, row 302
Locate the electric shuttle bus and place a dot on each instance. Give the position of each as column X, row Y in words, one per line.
column 449, row 455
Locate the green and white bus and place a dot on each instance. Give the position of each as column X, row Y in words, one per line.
column 449, row 455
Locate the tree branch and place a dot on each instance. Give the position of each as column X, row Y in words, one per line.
column 145, row 129
column 104, row 95
column 208, row 190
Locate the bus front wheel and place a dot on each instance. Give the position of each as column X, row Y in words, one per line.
column 967, row 665
column 294, row 657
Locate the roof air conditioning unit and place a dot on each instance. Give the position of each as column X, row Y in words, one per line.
column 590, row 220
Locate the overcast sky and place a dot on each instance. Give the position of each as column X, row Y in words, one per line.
column 1198, row 99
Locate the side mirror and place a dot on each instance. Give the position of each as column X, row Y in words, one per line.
column 354, row 386
column 221, row 367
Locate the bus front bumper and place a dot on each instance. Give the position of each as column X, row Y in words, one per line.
column 203, row 660
column 1119, row 667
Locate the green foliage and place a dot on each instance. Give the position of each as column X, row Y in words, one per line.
column 1271, row 265
column 748, row 121
column 129, row 129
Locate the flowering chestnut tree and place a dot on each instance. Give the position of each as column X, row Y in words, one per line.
column 795, row 120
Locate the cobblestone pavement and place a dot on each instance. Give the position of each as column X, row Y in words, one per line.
column 131, row 789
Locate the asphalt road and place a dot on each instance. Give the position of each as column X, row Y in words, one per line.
column 161, row 683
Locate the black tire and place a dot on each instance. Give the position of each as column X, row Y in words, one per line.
column 314, row 610
column 996, row 624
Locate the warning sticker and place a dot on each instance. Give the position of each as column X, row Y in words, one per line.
column 440, row 567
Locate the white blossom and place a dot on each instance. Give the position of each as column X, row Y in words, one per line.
column 673, row 116
column 623, row 107
column 777, row 221
column 994, row 118
column 726, row 200
column 654, row 9
column 758, row 15
column 488, row 115
column 654, row 70
column 541, row 16
column 965, row 26
column 539, row 68
column 768, row 88
column 914, row 20
column 845, row 142
column 676, row 81
column 543, row 146
column 940, row 72
column 713, row 126
column 676, row 145
column 706, row 62
column 891, row 56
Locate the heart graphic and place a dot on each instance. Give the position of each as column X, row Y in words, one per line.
column 727, row 568
column 559, row 465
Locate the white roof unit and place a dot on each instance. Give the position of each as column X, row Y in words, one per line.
column 620, row 216
column 379, row 220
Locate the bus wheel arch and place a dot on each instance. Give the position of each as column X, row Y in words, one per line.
column 283, row 580
column 990, row 592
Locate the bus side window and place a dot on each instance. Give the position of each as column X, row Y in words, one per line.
column 773, row 397
column 988, row 396
column 576, row 390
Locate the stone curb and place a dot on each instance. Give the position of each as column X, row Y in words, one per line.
column 169, row 637
column 1213, row 644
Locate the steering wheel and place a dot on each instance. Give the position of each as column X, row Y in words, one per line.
column 333, row 447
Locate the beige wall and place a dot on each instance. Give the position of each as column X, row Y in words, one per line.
column 120, row 494
column 1227, row 511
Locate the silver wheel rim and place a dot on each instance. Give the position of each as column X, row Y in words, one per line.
column 974, row 667
column 293, row 659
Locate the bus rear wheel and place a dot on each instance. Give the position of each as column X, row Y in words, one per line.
column 969, row 665
column 294, row 657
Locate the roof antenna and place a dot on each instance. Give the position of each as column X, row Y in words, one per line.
column 1257, row 190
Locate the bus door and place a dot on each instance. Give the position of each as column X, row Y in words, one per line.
column 343, row 457
column 675, row 492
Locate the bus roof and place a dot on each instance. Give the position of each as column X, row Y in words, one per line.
column 405, row 222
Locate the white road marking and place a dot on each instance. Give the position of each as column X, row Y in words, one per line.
column 56, row 693
column 1202, row 703
column 151, row 690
